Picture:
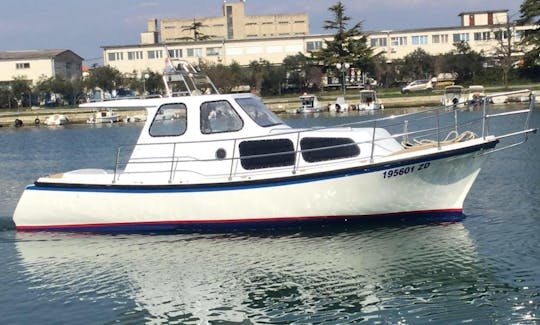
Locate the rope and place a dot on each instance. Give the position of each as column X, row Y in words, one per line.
column 451, row 137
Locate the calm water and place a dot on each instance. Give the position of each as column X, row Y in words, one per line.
column 485, row 269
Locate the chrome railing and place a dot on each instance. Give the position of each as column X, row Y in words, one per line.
column 425, row 125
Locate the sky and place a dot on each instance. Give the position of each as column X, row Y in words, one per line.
column 83, row 26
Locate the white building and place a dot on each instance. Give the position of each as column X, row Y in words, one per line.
column 35, row 64
column 482, row 30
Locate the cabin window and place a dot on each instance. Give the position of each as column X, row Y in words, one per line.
column 170, row 121
column 321, row 149
column 258, row 112
column 259, row 154
column 219, row 117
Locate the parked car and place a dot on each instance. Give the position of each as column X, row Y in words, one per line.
column 418, row 85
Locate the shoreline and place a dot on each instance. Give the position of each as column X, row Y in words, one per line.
column 78, row 115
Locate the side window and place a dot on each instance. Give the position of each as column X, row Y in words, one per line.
column 170, row 121
column 259, row 154
column 218, row 117
column 322, row 149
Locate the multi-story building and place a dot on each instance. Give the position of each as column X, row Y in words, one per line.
column 35, row 64
column 482, row 30
column 233, row 24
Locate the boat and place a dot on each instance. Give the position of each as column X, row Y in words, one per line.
column 454, row 96
column 476, row 95
column 104, row 115
column 369, row 101
column 498, row 98
column 56, row 120
column 309, row 104
column 339, row 106
column 226, row 162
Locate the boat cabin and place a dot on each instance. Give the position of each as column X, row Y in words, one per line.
column 309, row 104
column 195, row 139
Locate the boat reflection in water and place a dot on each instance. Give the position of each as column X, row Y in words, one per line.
column 391, row 273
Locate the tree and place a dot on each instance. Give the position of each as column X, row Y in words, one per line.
column 21, row 89
column 220, row 75
column 530, row 14
column 195, row 27
column 348, row 45
column 106, row 78
column 506, row 50
column 297, row 71
column 463, row 61
column 417, row 65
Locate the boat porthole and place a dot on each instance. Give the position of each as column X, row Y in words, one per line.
column 221, row 153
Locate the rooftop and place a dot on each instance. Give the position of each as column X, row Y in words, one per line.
column 32, row 54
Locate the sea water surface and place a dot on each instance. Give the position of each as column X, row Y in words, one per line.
column 482, row 270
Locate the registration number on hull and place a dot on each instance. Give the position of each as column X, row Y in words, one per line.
column 405, row 170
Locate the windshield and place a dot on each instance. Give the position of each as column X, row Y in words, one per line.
column 258, row 112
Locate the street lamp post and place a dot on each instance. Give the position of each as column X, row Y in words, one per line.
column 143, row 78
column 343, row 67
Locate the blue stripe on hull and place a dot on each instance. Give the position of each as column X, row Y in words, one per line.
column 236, row 225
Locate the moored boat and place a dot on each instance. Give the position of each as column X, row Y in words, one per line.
column 104, row 115
column 454, row 96
column 369, row 101
column 56, row 120
column 309, row 104
column 226, row 161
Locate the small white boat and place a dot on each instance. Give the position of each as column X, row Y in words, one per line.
column 135, row 119
column 56, row 120
column 339, row 106
column 220, row 162
column 309, row 104
column 369, row 101
column 104, row 115
column 476, row 95
column 454, row 96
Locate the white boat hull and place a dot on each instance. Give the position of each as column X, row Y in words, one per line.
column 431, row 186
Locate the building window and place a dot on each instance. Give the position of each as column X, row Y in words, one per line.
column 482, row 36
column 135, row 55
column 419, row 39
column 197, row 52
column 213, row 51
column 500, row 34
column 460, row 37
column 116, row 56
column 439, row 39
column 251, row 24
column 378, row 42
column 398, row 41
column 314, row 46
column 300, row 22
column 157, row 54
column 230, row 30
column 25, row 65
column 175, row 53
column 283, row 22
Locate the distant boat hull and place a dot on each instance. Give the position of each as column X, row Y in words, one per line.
column 427, row 185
